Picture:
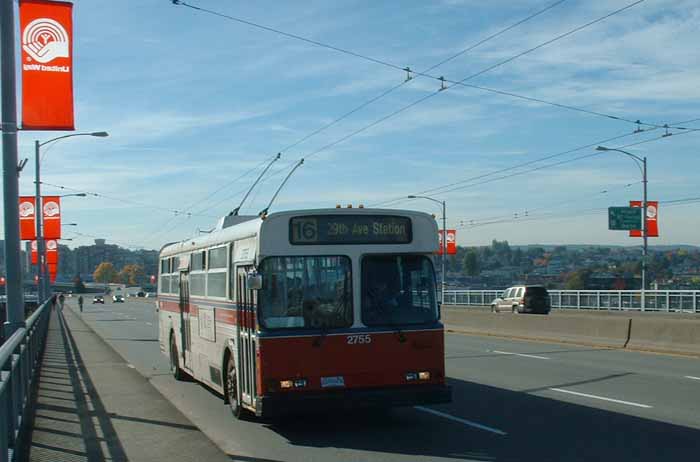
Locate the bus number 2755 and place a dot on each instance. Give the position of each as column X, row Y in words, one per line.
column 358, row 339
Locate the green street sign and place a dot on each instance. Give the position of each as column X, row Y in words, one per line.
column 624, row 218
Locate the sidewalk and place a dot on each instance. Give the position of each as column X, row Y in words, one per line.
column 91, row 406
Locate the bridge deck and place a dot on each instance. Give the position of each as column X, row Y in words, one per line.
column 91, row 406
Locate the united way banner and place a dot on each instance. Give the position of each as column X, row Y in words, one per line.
column 652, row 219
column 46, row 31
column 52, row 217
column 451, row 242
column 27, row 217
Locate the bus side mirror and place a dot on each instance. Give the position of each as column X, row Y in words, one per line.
column 254, row 281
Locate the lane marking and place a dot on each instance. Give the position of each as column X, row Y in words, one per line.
column 131, row 366
column 519, row 354
column 691, row 377
column 586, row 395
column 460, row 420
column 149, row 323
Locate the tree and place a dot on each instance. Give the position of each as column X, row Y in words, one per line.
column 470, row 263
column 78, row 286
column 131, row 274
column 105, row 273
column 576, row 280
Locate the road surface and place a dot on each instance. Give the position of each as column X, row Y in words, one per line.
column 513, row 401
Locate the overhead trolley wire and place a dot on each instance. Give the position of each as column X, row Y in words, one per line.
column 389, row 90
column 441, row 189
column 125, row 201
column 411, row 73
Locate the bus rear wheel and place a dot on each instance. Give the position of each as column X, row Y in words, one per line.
column 232, row 389
column 175, row 369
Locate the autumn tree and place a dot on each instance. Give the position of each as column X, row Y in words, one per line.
column 105, row 273
column 131, row 274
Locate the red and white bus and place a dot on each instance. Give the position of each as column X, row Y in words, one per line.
column 307, row 309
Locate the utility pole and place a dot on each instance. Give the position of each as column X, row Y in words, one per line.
column 644, row 234
column 15, row 291
column 39, row 216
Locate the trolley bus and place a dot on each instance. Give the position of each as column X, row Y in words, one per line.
column 307, row 309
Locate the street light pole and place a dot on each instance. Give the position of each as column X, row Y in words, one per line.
column 444, row 242
column 44, row 283
column 642, row 164
column 15, row 292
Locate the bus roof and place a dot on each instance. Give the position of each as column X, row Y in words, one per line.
column 250, row 226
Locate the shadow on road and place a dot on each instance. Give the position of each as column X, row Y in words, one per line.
column 538, row 429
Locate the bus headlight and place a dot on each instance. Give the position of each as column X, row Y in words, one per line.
column 286, row 384
column 293, row 383
column 411, row 376
column 425, row 375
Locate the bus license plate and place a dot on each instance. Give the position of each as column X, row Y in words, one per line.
column 327, row 382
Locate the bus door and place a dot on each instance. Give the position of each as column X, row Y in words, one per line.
column 185, row 331
column 246, row 336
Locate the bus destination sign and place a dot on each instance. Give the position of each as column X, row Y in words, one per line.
column 349, row 229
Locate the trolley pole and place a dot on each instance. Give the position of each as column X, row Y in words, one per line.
column 10, row 174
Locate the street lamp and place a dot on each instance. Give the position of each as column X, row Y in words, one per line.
column 41, row 251
column 444, row 241
column 642, row 164
column 74, row 195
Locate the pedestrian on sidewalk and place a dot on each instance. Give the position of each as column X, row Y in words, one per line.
column 80, row 303
column 61, row 299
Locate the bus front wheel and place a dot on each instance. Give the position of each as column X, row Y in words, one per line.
column 175, row 369
column 232, row 389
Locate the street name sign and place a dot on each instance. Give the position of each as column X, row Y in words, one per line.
column 624, row 218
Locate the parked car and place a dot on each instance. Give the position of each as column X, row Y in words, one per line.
column 117, row 298
column 141, row 294
column 98, row 299
column 523, row 299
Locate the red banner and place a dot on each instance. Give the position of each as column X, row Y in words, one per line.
column 27, row 216
column 52, row 217
column 52, row 252
column 35, row 252
column 47, row 64
column 451, row 242
column 53, row 270
column 652, row 219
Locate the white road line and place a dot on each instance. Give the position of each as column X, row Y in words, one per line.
column 460, row 420
column 691, row 377
column 519, row 354
column 131, row 366
column 586, row 395
column 149, row 323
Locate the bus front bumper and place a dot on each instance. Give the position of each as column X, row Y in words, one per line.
column 346, row 399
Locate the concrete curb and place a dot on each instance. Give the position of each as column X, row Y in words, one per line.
column 674, row 336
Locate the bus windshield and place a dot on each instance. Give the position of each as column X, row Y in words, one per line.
column 305, row 292
column 398, row 290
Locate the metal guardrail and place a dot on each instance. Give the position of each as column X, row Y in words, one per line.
column 19, row 358
column 682, row 301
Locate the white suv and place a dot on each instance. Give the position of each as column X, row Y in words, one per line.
column 523, row 299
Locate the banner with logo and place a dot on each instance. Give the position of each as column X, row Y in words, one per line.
column 52, row 252
column 451, row 242
column 27, row 217
column 35, row 252
column 652, row 219
column 52, row 217
column 46, row 32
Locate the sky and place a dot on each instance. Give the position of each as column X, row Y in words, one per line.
column 197, row 104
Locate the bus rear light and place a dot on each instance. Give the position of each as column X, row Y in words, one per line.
column 286, row 384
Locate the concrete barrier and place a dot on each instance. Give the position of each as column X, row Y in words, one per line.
column 666, row 335
column 650, row 333
column 588, row 330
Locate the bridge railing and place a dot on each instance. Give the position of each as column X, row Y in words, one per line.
column 609, row 300
column 19, row 359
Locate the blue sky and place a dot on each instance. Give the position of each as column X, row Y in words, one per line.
column 193, row 101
